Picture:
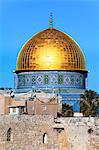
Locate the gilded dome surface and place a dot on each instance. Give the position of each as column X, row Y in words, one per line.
column 51, row 49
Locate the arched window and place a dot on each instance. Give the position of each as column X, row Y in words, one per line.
column 45, row 138
column 9, row 135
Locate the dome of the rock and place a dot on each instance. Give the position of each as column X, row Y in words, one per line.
column 49, row 60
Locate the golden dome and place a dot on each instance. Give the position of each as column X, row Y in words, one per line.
column 51, row 49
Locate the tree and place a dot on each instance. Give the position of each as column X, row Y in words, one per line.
column 89, row 103
column 67, row 110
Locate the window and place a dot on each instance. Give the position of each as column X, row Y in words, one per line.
column 45, row 138
column 44, row 108
column 46, row 79
column 9, row 135
column 81, row 80
column 33, row 80
column 60, row 79
column 23, row 79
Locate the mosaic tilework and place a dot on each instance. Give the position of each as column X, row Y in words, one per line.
column 72, row 99
column 50, row 79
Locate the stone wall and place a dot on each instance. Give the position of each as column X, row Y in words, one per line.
column 75, row 133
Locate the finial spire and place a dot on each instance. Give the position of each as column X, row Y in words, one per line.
column 51, row 20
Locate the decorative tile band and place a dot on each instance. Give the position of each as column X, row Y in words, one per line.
column 50, row 79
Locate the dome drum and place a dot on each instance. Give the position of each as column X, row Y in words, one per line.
column 50, row 79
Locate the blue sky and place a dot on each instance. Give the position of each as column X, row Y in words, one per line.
column 20, row 19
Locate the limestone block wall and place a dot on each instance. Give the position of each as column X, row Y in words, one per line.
column 76, row 129
column 94, row 138
column 28, row 133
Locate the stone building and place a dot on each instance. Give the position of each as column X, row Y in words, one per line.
column 5, row 101
column 44, row 132
column 30, row 103
column 44, row 104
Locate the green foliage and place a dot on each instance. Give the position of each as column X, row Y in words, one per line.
column 67, row 110
column 89, row 103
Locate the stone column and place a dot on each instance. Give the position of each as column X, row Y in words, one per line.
column 11, row 111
